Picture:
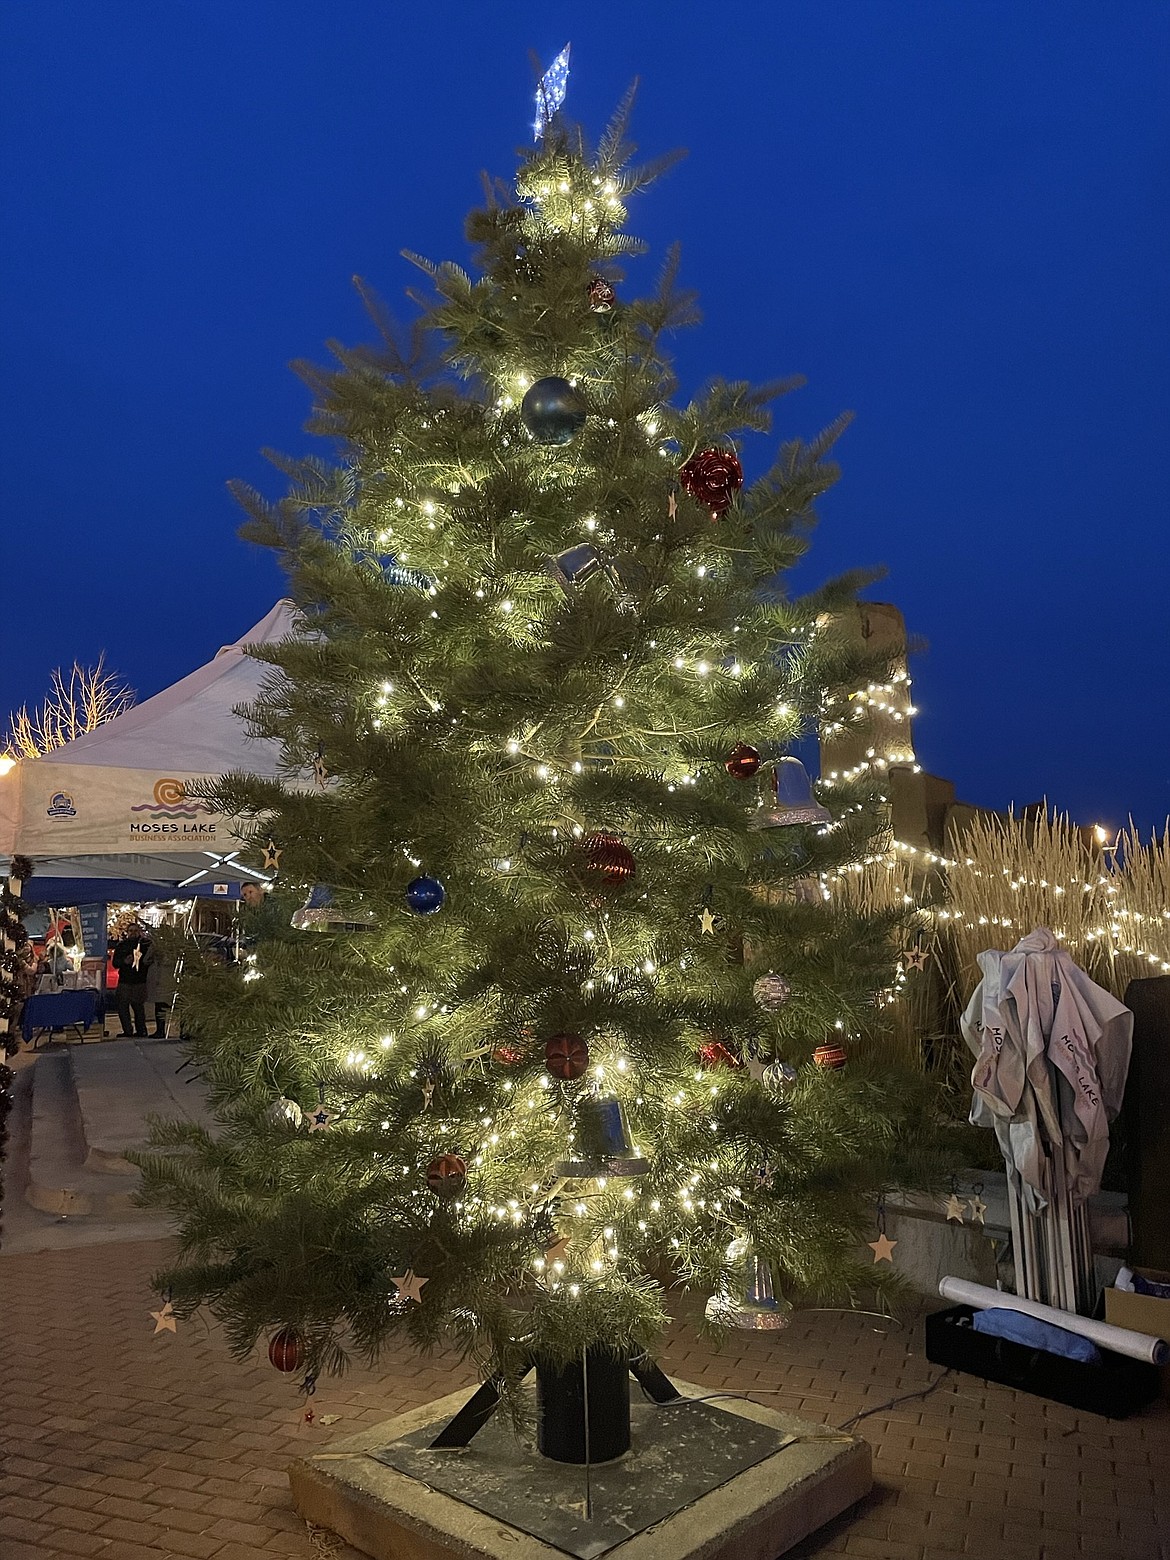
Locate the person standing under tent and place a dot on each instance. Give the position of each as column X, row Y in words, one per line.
column 160, row 989
column 132, row 958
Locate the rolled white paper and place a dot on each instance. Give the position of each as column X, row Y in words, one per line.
column 1120, row 1340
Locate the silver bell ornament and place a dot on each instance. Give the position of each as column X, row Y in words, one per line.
column 750, row 1302
column 602, row 1145
column 320, row 911
column 771, row 992
column 792, row 799
column 577, row 565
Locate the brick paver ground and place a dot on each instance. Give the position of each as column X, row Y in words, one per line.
column 127, row 1446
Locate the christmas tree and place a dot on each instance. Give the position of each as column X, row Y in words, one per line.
column 565, row 1018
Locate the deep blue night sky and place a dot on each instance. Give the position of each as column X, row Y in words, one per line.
column 952, row 218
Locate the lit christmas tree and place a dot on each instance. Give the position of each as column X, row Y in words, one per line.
column 565, row 1017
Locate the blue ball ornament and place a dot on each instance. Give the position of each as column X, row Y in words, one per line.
column 553, row 411
column 425, row 895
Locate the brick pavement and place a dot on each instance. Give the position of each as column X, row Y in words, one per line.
column 127, row 1446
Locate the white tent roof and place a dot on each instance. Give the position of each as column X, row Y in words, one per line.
column 190, row 725
column 119, row 792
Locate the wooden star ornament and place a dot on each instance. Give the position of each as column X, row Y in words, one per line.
column 409, row 1286
column 954, row 1207
column 883, row 1248
column 706, row 923
column 272, row 855
column 978, row 1209
column 914, row 958
column 320, row 773
column 164, row 1320
column 320, row 1119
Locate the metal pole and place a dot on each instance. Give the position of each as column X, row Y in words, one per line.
column 585, row 1408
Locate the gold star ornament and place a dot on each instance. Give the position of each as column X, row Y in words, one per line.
column 409, row 1286
column 164, row 1320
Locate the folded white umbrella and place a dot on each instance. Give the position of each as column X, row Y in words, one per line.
column 1051, row 1055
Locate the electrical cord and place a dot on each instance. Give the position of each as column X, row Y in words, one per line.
column 905, row 1398
column 709, row 1397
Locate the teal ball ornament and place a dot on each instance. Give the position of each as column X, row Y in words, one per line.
column 425, row 895
column 552, row 411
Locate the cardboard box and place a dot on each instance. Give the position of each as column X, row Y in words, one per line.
column 1142, row 1313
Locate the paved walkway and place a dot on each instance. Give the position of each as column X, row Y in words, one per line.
column 127, row 1446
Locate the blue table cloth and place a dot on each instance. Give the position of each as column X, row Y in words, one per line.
column 58, row 1010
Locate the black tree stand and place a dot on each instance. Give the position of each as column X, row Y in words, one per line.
column 583, row 1408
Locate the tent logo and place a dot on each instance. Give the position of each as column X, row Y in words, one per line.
column 61, row 806
column 172, row 812
column 171, row 801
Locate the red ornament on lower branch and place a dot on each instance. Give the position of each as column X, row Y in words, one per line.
column 508, row 1054
column 742, row 762
column 832, row 1056
column 286, row 1349
column 608, row 859
column 447, row 1175
column 566, row 1057
column 715, row 1054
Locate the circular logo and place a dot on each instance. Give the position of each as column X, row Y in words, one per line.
column 169, row 793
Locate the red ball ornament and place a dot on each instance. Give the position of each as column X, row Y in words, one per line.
column 831, row 1056
column 566, row 1057
column 715, row 1054
column 286, row 1349
column 602, row 297
column 742, row 762
column 607, row 858
column 447, row 1175
column 713, row 478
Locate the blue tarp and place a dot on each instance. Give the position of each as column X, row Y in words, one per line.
column 79, row 891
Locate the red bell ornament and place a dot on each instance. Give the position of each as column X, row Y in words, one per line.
column 286, row 1349
column 712, row 477
column 608, row 858
column 742, row 762
column 566, row 1057
column 447, row 1175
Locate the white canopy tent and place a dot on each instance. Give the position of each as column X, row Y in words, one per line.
column 111, row 806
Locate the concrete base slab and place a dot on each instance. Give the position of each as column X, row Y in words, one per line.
column 58, row 1183
column 119, row 1085
column 758, row 1513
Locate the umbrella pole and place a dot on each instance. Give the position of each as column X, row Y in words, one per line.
column 1022, row 1239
